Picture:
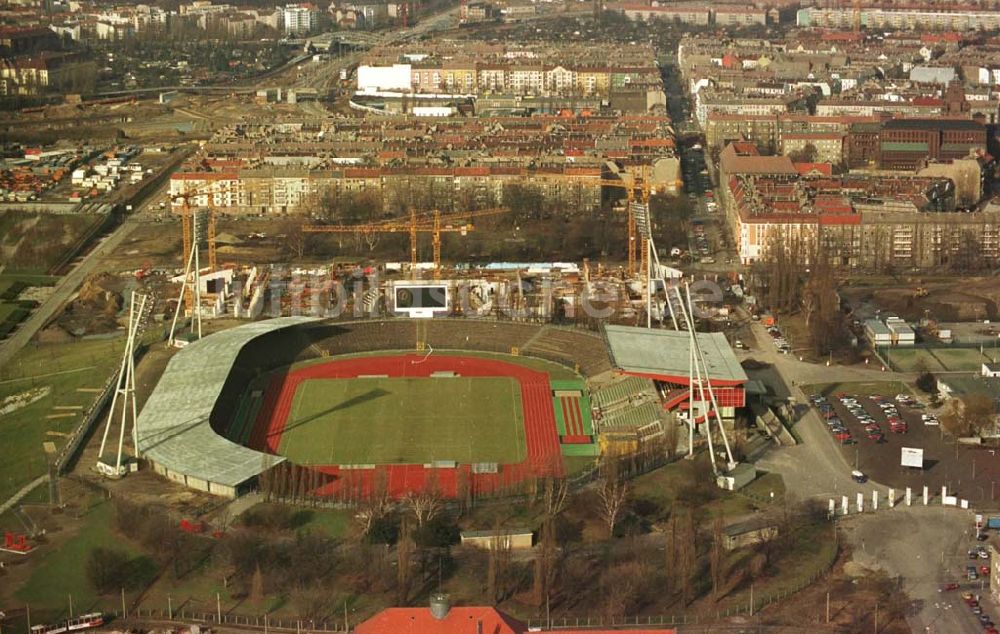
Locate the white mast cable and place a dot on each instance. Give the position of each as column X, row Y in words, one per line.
column 700, row 381
column 128, row 383
column 711, row 393
column 195, row 243
column 691, row 375
column 125, row 385
column 666, row 293
column 118, row 381
column 180, row 298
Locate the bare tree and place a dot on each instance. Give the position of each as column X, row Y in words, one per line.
column 671, row 436
column 257, row 587
column 972, row 414
column 297, row 241
column 463, row 489
column 554, row 496
column 498, row 564
column 613, row 493
column 670, row 559
column 425, row 504
column 687, row 556
column 715, row 558
column 404, row 556
column 377, row 504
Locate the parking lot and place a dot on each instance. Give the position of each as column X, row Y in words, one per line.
column 851, row 418
column 927, row 548
column 871, row 429
column 778, row 339
column 862, row 424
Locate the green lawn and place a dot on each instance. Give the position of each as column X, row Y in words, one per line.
column 861, row 388
column 670, row 484
column 11, row 314
column 61, row 572
column 39, row 240
column 63, row 370
column 405, row 421
column 912, row 359
column 962, row 359
column 332, row 522
column 28, row 279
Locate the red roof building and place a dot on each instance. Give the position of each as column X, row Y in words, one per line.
column 442, row 619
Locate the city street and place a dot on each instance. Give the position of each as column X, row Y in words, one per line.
column 926, row 548
column 68, row 285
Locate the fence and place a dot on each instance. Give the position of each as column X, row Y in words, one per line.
column 82, row 430
column 299, row 625
column 728, row 610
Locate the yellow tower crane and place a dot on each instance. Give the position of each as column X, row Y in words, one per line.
column 644, row 190
column 434, row 223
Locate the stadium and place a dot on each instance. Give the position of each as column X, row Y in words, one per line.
column 466, row 407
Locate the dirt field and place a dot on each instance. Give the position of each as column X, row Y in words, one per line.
column 978, row 298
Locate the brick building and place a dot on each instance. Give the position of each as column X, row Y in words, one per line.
column 863, row 221
column 904, row 144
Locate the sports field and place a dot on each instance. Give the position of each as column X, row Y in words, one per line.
column 405, row 420
column 935, row 359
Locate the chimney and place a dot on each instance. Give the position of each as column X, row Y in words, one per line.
column 439, row 606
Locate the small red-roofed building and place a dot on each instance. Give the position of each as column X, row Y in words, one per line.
column 441, row 618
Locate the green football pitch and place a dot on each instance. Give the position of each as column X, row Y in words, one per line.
column 405, row 421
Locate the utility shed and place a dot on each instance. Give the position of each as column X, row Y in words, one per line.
column 750, row 532
column 517, row 539
column 878, row 333
column 902, row 334
column 740, row 476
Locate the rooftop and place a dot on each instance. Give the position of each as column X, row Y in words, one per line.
column 924, row 124
column 173, row 428
column 462, row 620
column 664, row 353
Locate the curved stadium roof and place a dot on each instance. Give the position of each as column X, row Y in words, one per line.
column 173, row 428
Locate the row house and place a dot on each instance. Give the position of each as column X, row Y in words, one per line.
column 867, row 222
column 572, row 190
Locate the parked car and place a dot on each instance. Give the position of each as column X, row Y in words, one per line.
column 859, row 477
column 948, row 587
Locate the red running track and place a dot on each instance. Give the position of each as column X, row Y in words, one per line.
column 541, row 437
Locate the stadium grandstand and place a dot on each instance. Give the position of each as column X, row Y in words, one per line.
column 663, row 357
column 174, row 431
column 304, row 393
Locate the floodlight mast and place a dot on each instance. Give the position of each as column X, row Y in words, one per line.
column 125, row 388
column 730, row 464
column 698, row 376
column 192, row 263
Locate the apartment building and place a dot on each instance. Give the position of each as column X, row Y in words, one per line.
column 486, row 69
column 269, row 190
column 708, row 101
column 828, row 147
column 905, row 144
column 299, row 19
column 862, row 221
column 698, row 15
column 916, row 18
